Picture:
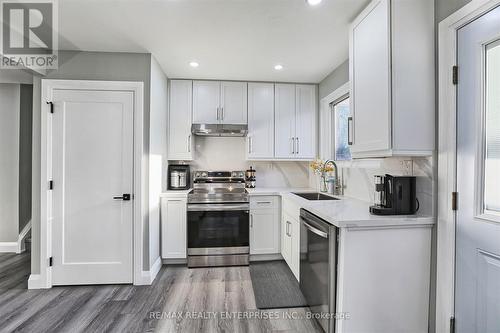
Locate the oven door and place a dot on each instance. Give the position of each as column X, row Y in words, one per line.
column 218, row 229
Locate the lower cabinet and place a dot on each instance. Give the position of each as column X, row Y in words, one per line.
column 264, row 225
column 290, row 241
column 173, row 227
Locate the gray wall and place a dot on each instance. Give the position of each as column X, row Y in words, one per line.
column 335, row 79
column 444, row 8
column 25, row 138
column 9, row 162
column 107, row 66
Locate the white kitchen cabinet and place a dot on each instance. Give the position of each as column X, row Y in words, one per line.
column 260, row 138
column 305, row 125
column 290, row 251
column 233, row 102
column 180, row 139
column 264, row 225
column 295, row 121
column 173, row 227
column 206, row 102
column 392, row 79
column 216, row 102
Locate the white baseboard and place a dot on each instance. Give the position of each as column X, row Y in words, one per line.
column 155, row 269
column 147, row 277
column 35, row 282
column 174, row 261
column 8, row 247
column 265, row 257
column 21, row 246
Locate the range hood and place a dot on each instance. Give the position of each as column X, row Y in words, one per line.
column 219, row 130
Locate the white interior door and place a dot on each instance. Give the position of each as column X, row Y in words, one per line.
column 477, row 301
column 92, row 162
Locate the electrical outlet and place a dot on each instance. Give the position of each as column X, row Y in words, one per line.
column 407, row 166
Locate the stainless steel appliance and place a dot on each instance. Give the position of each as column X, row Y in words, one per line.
column 219, row 130
column 178, row 177
column 395, row 196
column 218, row 220
column 318, row 266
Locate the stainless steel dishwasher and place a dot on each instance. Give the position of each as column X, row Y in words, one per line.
column 318, row 262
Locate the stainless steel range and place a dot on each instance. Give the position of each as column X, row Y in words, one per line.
column 218, row 219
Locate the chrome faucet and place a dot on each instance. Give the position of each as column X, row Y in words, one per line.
column 337, row 190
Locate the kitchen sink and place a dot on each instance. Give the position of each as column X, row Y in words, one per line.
column 315, row 196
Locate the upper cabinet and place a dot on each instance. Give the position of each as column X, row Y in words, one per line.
column 392, row 79
column 260, row 138
column 295, row 121
column 216, row 102
column 180, row 140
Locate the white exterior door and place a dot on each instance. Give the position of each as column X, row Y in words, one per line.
column 477, row 291
column 92, row 162
column 260, row 138
column 180, row 140
column 284, row 120
column 233, row 108
column 305, row 127
column 206, row 102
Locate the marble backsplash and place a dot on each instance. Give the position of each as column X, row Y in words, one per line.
column 358, row 178
column 226, row 153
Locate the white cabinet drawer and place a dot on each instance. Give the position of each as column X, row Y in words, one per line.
column 264, row 202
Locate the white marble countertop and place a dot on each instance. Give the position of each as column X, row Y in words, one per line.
column 346, row 212
column 175, row 193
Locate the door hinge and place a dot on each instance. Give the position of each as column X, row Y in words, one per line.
column 455, row 75
column 51, row 107
column 454, row 200
column 51, row 185
column 51, row 261
column 452, row 324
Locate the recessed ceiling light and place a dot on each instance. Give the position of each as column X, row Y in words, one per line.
column 194, row 64
column 313, row 2
column 278, row 67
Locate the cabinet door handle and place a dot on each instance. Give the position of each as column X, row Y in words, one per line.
column 222, row 113
column 263, row 202
column 297, row 141
column 251, row 221
column 293, row 145
column 189, row 143
column 250, row 148
column 349, row 131
column 217, row 113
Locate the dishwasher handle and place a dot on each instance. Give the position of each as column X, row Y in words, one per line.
column 313, row 229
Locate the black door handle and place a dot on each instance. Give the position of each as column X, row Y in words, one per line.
column 124, row 197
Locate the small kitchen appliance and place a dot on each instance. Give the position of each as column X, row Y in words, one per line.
column 178, row 177
column 394, row 195
column 250, row 178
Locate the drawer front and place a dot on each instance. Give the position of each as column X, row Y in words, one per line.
column 264, row 202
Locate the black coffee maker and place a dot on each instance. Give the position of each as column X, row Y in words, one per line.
column 395, row 195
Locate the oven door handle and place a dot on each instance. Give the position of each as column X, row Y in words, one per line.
column 314, row 230
column 217, row 207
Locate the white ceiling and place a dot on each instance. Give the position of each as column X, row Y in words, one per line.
column 231, row 39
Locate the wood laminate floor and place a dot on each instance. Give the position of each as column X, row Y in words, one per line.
column 179, row 300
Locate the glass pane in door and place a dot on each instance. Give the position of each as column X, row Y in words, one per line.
column 492, row 163
column 341, row 111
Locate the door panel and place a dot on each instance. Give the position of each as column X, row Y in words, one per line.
column 477, row 299
column 284, row 120
column 264, row 231
column 206, row 102
column 92, row 162
column 260, row 138
column 370, row 75
column 233, row 102
column 305, row 145
column 180, row 140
